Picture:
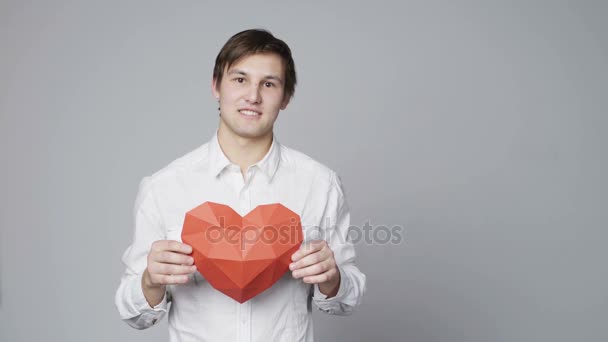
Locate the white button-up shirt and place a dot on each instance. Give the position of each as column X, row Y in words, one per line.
column 197, row 311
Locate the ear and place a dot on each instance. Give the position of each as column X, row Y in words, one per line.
column 214, row 89
column 285, row 102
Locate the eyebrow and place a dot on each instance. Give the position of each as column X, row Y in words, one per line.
column 267, row 77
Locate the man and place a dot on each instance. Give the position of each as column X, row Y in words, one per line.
column 242, row 166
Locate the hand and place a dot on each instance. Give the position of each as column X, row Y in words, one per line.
column 168, row 264
column 314, row 263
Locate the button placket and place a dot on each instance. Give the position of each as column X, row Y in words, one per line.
column 244, row 202
column 245, row 308
column 246, row 321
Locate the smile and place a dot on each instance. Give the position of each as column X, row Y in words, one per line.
column 249, row 112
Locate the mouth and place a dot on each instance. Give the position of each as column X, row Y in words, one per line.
column 249, row 112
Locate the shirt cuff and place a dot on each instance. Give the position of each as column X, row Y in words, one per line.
column 321, row 299
column 149, row 314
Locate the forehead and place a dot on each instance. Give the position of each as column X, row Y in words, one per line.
column 265, row 64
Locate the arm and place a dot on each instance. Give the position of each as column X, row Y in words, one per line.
column 330, row 264
column 151, row 263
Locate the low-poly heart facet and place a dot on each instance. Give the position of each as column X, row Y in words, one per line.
column 242, row 256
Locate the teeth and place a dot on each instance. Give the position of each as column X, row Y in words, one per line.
column 249, row 112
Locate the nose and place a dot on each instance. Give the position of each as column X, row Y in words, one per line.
column 253, row 94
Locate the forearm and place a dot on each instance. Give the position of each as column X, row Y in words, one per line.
column 132, row 305
column 154, row 294
column 330, row 288
column 349, row 292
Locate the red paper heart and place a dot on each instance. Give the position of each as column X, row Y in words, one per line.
column 242, row 256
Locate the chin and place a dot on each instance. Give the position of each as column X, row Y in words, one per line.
column 252, row 134
column 247, row 132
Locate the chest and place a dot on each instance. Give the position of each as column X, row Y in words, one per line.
column 187, row 191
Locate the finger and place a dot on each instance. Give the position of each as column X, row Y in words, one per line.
column 168, row 269
column 167, row 257
column 319, row 278
column 311, row 259
column 308, row 248
column 172, row 279
column 172, row 246
column 312, row 270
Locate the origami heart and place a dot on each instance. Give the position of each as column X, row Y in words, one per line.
column 242, row 256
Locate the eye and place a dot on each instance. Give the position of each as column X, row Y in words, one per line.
column 268, row 84
column 239, row 79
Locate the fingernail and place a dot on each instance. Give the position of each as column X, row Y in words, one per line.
column 292, row 266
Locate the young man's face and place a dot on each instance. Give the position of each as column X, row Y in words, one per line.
column 251, row 95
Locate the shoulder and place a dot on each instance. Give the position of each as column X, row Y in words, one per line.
column 307, row 167
column 190, row 161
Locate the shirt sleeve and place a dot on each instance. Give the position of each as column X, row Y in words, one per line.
column 130, row 301
column 335, row 225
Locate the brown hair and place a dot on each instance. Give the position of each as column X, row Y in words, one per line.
column 250, row 42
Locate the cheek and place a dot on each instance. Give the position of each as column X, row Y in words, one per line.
column 228, row 98
column 230, row 91
column 275, row 99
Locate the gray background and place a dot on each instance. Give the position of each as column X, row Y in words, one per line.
column 477, row 126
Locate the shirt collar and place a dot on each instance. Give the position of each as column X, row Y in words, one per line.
column 269, row 164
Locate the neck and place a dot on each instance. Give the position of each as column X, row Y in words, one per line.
column 243, row 151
